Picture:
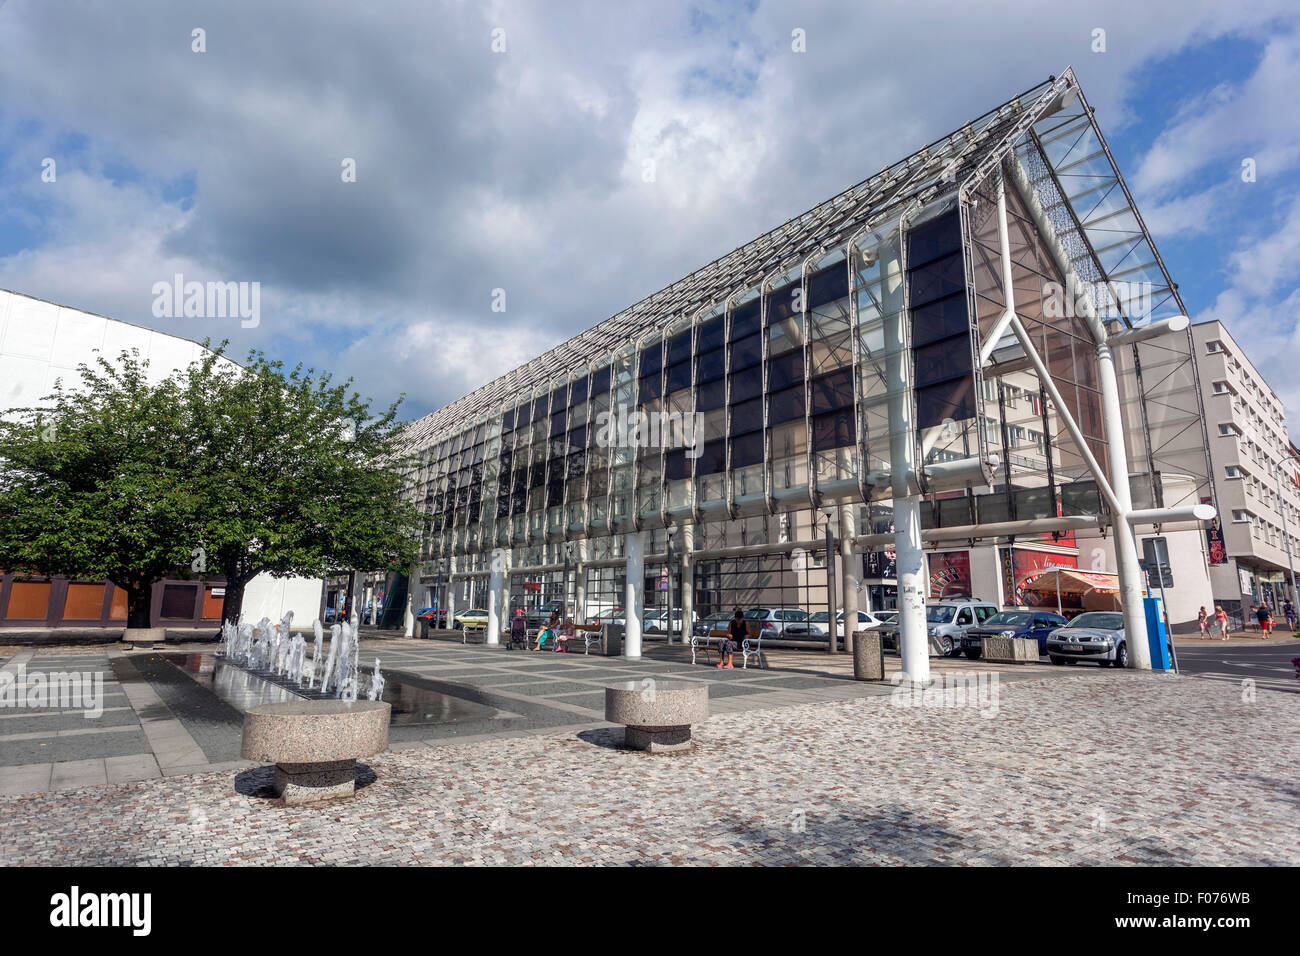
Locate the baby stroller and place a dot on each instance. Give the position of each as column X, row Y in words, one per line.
column 517, row 636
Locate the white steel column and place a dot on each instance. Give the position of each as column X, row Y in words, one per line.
column 914, row 647
column 451, row 592
column 688, row 582
column 496, row 596
column 633, row 592
column 1126, row 558
column 850, row 563
column 408, row 619
column 580, row 584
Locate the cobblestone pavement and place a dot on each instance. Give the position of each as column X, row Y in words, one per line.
column 1089, row 768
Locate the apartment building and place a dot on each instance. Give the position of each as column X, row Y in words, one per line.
column 1249, row 450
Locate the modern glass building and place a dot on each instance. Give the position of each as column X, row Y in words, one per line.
column 922, row 361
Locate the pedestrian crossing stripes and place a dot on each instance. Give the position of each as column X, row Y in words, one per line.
column 1261, row 683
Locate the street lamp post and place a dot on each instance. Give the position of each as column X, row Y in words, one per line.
column 830, row 585
column 1286, row 535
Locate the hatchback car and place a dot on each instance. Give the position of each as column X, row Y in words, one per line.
column 772, row 621
column 816, row 625
column 1035, row 624
column 1094, row 636
column 474, row 617
column 717, row 621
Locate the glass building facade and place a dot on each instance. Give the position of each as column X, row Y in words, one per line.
column 818, row 372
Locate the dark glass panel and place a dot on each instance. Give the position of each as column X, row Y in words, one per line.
column 578, row 392
column 943, row 360
column 710, row 365
column 677, row 377
column 828, row 285
column 780, row 303
column 833, row 430
column 559, row 422
column 649, row 389
column 578, row 437
column 712, row 334
column 576, row 464
column 508, row 420
column 555, row 494
column 746, row 352
column 679, row 347
column 939, row 319
column 785, row 406
column 747, row 450
column 538, row 475
column 600, row 381
column 746, row 384
column 955, row 400
column 785, row 371
column 935, row 280
column 934, row 239
column 747, row 416
column 713, row 458
column 832, row 391
column 711, row 395
column 677, row 465
column 178, row 600
column 746, row 319
column 652, row 360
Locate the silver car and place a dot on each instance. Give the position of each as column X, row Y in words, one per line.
column 1094, row 636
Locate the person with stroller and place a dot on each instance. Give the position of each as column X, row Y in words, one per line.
column 519, row 629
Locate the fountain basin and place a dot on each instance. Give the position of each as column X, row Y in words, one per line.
column 315, row 744
column 657, row 714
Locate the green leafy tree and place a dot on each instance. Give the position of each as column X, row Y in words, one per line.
column 217, row 470
column 300, row 475
column 95, row 485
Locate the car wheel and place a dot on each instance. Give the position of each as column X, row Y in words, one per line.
column 1056, row 660
column 1121, row 656
column 974, row 654
column 946, row 645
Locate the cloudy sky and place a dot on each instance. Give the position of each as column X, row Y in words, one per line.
column 524, row 169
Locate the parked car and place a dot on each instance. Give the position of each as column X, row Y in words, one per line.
column 473, row 617
column 1092, row 636
column 435, row 617
column 656, row 619
column 614, row 615
column 331, row 616
column 772, row 621
column 1035, row 624
column 816, row 625
column 945, row 623
column 887, row 618
column 717, row 621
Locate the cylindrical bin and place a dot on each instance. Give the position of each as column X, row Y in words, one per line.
column 611, row 640
column 868, row 656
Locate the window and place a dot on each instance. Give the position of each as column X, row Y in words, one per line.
column 1239, row 515
column 1234, row 472
column 1213, row 347
column 964, row 617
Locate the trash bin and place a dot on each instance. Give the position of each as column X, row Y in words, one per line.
column 424, row 628
column 611, row 640
column 868, row 656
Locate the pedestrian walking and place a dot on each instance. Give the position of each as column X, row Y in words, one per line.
column 1221, row 618
column 1265, row 618
column 1288, row 611
column 1203, row 622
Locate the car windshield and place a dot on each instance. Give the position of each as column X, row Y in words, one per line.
column 821, row 616
column 1009, row 619
column 939, row 614
column 1105, row 620
column 889, row 617
column 757, row 614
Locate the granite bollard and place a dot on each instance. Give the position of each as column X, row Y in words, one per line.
column 657, row 714
column 315, row 744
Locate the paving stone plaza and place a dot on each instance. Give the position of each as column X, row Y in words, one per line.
column 503, row 758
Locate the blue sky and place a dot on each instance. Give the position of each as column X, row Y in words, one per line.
column 524, row 170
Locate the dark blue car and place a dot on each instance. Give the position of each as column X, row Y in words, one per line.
column 1035, row 624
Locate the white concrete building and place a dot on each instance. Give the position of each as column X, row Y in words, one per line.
column 40, row 343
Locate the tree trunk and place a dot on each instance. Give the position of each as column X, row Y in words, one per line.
column 139, row 603
column 232, row 605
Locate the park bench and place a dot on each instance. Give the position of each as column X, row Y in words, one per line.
column 751, row 646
